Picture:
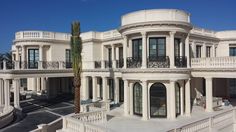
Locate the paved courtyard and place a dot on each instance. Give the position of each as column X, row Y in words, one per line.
column 40, row 112
column 119, row 123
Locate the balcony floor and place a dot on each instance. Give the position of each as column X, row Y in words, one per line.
column 119, row 123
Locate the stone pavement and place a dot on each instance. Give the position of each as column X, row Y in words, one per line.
column 40, row 112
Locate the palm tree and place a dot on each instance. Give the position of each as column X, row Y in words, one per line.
column 76, row 49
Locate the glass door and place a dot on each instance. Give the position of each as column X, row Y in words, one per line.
column 33, row 58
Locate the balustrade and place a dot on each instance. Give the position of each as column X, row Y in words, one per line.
column 108, row 64
column 97, row 64
column 119, row 63
column 214, row 62
column 50, row 65
column 158, row 62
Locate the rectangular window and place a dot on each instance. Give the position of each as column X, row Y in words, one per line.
column 232, row 51
column 198, row 51
column 137, row 48
column 68, row 58
column 157, row 47
column 33, row 58
column 208, row 51
column 120, row 53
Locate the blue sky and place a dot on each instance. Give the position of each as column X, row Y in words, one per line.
column 101, row 15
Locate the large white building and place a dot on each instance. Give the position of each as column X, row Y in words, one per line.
column 154, row 63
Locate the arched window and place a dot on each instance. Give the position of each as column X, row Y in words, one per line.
column 158, row 106
column 137, row 97
column 177, row 98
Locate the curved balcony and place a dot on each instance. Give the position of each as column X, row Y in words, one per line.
column 133, row 62
column 214, row 62
column 180, row 61
column 158, row 62
column 119, row 63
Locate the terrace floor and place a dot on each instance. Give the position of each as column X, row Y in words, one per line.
column 120, row 123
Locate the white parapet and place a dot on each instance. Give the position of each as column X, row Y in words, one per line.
column 214, row 62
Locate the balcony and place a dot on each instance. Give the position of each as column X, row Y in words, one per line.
column 158, row 62
column 133, row 62
column 214, row 62
column 39, row 65
column 180, row 61
column 108, row 64
column 119, row 63
column 97, row 64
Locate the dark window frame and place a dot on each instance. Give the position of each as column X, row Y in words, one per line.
column 157, row 47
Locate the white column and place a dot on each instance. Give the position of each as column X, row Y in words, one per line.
column 116, row 90
column 204, row 50
column 94, row 88
column 126, row 98
column 193, row 50
column 38, row 84
column 125, row 51
column 16, row 86
column 113, row 55
column 187, row 51
column 43, row 84
column 182, row 98
column 213, row 51
column 187, row 98
column 172, row 51
column 40, row 52
column 1, row 93
column 6, row 94
column 172, row 99
column 145, row 100
column 144, row 50
column 103, row 57
column 104, row 89
column 209, row 94
column 131, row 104
column 35, row 84
column 98, row 88
column 23, row 54
column 17, row 54
column 85, row 87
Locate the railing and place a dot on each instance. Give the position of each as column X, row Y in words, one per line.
column 42, row 35
column 50, row 65
column 214, row 62
column 23, row 65
column 158, row 62
column 108, row 64
column 51, row 127
column 85, row 122
column 95, row 106
column 223, row 121
column 180, row 61
column 133, row 62
column 119, row 63
column 97, row 64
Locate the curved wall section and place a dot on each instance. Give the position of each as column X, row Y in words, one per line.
column 6, row 117
column 155, row 15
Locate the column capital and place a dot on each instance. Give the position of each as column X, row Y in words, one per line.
column 172, row 32
column 173, row 80
column 41, row 46
column 144, row 80
column 144, row 33
column 208, row 77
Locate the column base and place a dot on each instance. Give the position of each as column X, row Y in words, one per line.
column 209, row 110
column 18, row 108
column 144, row 118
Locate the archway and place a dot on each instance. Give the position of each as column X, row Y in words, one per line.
column 158, row 106
column 137, row 97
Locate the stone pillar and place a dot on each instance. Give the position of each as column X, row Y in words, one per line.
column 43, row 84
column 23, row 54
column 17, row 54
column 204, row 50
column 40, row 52
column 103, row 57
column 187, row 98
column 85, row 87
column 94, row 88
column 126, row 98
column 145, row 100
column 117, row 90
column 144, row 50
column 182, row 98
column 193, row 46
column 125, row 51
column 104, row 89
column 209, row 94
column 172, row 102
column 6, row 94
column 35, row 84
column 187, row 51
column 38, row 84
column 172, row 49
column 113, row 55
column 131, row 101
column 1, row 93
column 213, row 50
column 98, row 88
column 16, row 87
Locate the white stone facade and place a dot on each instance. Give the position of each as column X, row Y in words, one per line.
column 152, row 63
